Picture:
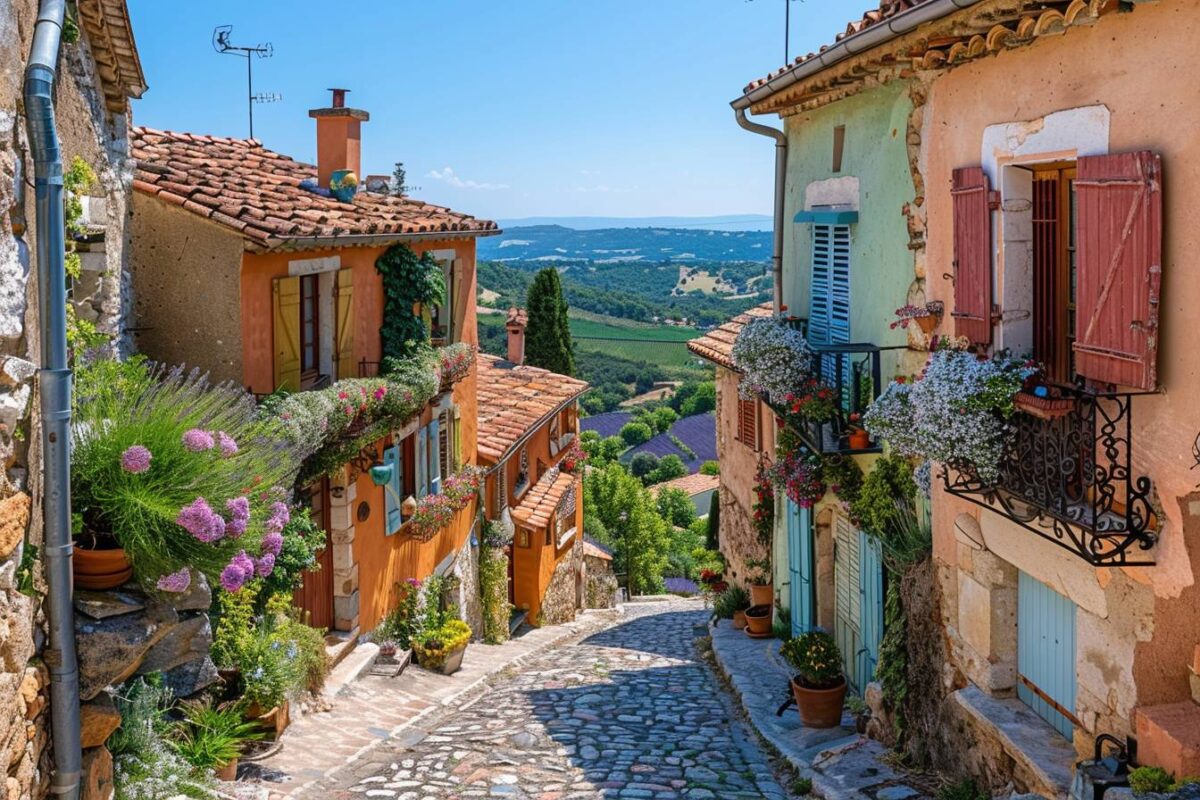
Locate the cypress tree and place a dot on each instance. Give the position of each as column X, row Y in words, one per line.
column 714, row 522
column 548, row 335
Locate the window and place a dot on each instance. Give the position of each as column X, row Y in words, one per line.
column 429, row 460
column 1054, row 270
column 441, row 317
column 401, row 456
column 747, row 422
column 312, row 330
column 522, row 479
column 309, row 327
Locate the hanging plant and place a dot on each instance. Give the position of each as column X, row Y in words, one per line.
column 764, row 506
column 773, row 357
column 409, row 281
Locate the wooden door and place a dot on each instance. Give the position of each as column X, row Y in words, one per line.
column 315, row 595
column 1046, row 653
column 800, row 567
column 858, row 592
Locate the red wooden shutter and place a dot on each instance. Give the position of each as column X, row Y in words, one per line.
column 972, row 255
column 747, row 428
column 1119, row 206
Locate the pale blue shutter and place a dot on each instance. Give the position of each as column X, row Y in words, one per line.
column 435, row 456
column 398, row 479
column 391, row 457
column 871, row 566
column 800, row 565
column 1046, row 652
column 829, row 289
column 422, row 462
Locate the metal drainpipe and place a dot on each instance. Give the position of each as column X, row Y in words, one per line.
column 781, row 150
column 55, row 391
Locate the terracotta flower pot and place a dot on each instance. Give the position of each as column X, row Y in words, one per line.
column 739, row 620
column 820, row 708
column 228, row 772
column 100, row 568
column 927, row 324
column 758, row 620
column 762, row 595
column 859, row 439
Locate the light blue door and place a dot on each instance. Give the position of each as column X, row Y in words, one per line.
column 800, row 565
column 871, row 577
column 1046, row 653
column 858, row 591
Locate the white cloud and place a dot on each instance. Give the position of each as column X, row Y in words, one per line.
column 448, row 176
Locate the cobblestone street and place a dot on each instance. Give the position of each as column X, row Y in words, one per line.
column 629, row 712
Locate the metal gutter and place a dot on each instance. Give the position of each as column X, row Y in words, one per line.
column 864, row 40
column 54, row 378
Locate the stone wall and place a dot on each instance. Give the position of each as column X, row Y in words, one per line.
column 600, row 584
column 562, row 595
column 466, row 570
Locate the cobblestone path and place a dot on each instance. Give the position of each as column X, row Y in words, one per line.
column 630, row 712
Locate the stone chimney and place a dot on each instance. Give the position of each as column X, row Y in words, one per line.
column 515, row 325
column 339, row 137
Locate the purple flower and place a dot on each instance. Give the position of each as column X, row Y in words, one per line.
column 175, row 581
column 239, row 570
column 201, row 521
column 136, row 459
column 272, row 543
column 198, row 440
column 413, row 582
column 238, row 507
column 235, row 528
column 265, row 564
column 280, row 517
column 228, row 446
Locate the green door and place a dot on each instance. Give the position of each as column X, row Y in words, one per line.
column 800, row 567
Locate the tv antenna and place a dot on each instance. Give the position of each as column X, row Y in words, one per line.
column 222, row 45
column 787, row 30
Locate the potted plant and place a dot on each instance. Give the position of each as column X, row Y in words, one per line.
column 758, row 620
column 211, row 737
column 761, row 590
column 97, row 560
column 926, row 316
column 441, row 649
column 819, row 685
column 857, row 437
column 731, row 604
column 812, row 402
column 1043, row 401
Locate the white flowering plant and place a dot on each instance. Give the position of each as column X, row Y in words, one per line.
column 773, row 357
column 956, row 412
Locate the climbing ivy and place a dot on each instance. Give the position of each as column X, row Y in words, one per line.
column 892, row 669
column 409, row 281
column 78, row 180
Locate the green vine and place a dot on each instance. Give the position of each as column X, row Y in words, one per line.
column 493, row 591
column 892, row 669
column 409, row 281
column 887, row 488
column 78, row 180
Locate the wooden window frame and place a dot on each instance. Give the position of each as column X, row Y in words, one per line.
column 1055, row 268
column 748, row 429
column 310, row 338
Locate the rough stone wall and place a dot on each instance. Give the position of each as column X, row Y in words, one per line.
column 737, row 538
column 86, row 130
column 466, row 570
column 600, row 589
column 562, row 595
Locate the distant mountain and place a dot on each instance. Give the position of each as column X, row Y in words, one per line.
column 729, row 222
column 651, row 245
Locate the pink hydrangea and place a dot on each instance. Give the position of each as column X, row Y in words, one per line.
column 176, row 581
column 272, row 543
column 227, row 444
column 136, row 459
column 201, row 521
column 280, row 517
column 265, row 565
column 198, row 440
column 239, row 570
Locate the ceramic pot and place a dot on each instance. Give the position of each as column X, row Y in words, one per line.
column 820, row 708
column 1047, row 408
column 448, row 666
column 273, row 721
column 927, row 324
column 100, row 568
column 739, row 620
column 228, row 772
column 762, row 595
column 758, row 620
column 859, row 439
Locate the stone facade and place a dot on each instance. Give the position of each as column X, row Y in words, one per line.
column 600, row 584
column 466, row 572
column 737, row 538
column 564, row 593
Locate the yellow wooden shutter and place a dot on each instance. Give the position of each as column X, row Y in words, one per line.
column 346, row 367
column 286, row 302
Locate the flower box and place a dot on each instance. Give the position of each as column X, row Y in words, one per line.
column 1047, row 408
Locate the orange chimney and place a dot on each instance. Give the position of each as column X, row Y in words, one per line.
column 339, row 137
column 515, row 325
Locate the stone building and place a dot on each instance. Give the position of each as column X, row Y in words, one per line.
column 98, row 72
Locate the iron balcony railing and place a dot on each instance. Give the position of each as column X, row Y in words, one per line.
column 1067, row 475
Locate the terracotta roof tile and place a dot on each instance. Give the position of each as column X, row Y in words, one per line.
column 242, row 185
column 537, row 507
column 514, row 400
column 593, row 550
column 692, row 484
column 886, row 10
column 717, row 344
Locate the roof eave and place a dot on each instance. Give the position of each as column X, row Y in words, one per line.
column 277, row 244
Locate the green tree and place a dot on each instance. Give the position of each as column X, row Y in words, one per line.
column 643, row 464
column 635, row 433
column 710, row 468
column 702, row 400
column 677, row 508
column 669, row 468
column 662, row 418
column 399, row 184
column 638, row 535
column 713, row 537
column 548, row 336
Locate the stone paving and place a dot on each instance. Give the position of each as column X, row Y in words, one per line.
column 631, row 711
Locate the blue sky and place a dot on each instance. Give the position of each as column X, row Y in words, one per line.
column 501, row 108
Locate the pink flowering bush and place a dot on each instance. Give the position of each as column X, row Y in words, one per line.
column 436, row 511
column 454, row 363
column 183, row 474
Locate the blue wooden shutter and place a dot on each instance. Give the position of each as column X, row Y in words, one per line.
column 391, row 457
column 1046, row 652
column 871, row 572
column 422, row 463
column 829, row 291
column 800, row 565
column 435, row 456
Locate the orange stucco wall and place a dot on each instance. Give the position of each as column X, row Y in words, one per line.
column 1139, row 66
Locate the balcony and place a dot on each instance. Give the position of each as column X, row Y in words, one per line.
column 854, row 374
column 1067, row 476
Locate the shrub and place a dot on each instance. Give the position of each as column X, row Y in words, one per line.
column 888, row 484
column 669, row 468
column 638, row 535
column 1146, row 780
column 145, row 767
column 710, row 468
column 635, row 433
column 662, row 418
column 733, row 599
column 184, row 474
column 210, row 737
column 843, row 476
column 773, row 358
column 643, row 464
column 493, row 590
column 816, row 658
column 303, row 541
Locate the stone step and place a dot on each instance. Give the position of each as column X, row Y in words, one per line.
column 353, row 665
column 339, row 644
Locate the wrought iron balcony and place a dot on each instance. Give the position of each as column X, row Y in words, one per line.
column 1067, row 476
column 854, row 374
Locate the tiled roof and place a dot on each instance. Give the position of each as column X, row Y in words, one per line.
column 110, row 37
column 537, row 507
column 717, row 344
column 886, row 10
column 593, row 550
column 514, row 400
column 244, row 186
column 692, row 484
